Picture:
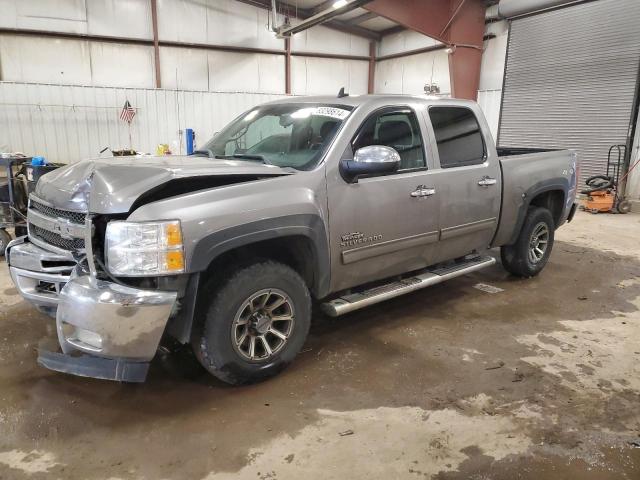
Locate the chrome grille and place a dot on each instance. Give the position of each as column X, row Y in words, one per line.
column 54, row 239
column 75, row 217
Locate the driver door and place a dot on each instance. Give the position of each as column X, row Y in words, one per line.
column 384, row 225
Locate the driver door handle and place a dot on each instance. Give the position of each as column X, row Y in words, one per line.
column 486, row 181
column 423, row 192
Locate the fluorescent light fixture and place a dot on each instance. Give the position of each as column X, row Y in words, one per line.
column 339, row 3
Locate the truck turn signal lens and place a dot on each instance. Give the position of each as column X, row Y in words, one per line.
column 174, row 235
column 175, row 261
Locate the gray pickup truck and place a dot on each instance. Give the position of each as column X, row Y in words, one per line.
column 343, row 201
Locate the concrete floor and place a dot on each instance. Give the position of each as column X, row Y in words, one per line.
column 538, row 381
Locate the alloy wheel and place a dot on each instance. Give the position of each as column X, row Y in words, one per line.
column 538, row 242
column 263, row 324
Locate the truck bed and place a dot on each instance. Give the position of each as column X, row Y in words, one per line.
column 515, row 151
column 527, row 172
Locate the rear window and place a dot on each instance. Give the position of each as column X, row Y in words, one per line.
column 458, row 136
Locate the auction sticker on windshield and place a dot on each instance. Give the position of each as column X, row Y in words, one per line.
column 332, row 112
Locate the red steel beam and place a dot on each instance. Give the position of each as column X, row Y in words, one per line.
column 457, row 23
column 466, row 32
column 428, row 17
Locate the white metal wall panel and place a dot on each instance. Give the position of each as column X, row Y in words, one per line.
column 57, row 15
column 70, row 123
column 403, row 42
column 120, row 65
column 182, row 21
column 61, row 15
column 571, row 78
column 410, row 74
column 119, row 18
column 236, row 71
column 184, row 69
column 125, row 18
column 489, row 101
column 44, row 60
column 326, row 40
column 633, row 182
column 235, row 23
column 493, row 58
column 326, row 76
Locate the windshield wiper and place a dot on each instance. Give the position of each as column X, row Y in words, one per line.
column 245, row 156
column 250, row 156
column 208, row 153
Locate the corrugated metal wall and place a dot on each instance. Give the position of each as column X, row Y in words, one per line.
column 69, row 123
column 571, row 78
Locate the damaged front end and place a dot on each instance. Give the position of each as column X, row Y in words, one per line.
column 106, row 329
column 111, row 318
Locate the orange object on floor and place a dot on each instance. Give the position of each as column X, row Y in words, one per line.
column 600, row 201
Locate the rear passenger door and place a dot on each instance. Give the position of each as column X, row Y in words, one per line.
column 468, row 181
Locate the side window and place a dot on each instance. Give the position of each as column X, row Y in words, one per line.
column 458, row 136
column 396, row 129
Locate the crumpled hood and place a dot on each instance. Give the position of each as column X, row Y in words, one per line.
column 112, row 185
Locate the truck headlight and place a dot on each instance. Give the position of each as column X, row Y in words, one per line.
column 144, row 248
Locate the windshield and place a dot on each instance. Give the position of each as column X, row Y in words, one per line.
column 286, row 135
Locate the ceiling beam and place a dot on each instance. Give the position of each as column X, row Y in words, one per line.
column 362, row 18
column 323, row 6
column 392, row 30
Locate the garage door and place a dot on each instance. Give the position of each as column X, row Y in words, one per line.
column 570, row 79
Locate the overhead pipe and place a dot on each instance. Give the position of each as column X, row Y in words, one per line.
column 516, row 8
column 337, row 8
column 274, row 13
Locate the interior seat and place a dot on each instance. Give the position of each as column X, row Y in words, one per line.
column 397, row 134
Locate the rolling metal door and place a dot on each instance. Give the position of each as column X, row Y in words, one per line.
column 570, row 80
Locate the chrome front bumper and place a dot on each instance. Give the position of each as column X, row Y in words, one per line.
column 111, row 320
column 38, row 274
column 118, row 326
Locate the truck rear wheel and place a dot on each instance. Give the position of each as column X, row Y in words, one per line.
column 529, row 254
column 255, row 325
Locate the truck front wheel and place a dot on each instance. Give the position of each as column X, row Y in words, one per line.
column 255, row 324
column 529, row 254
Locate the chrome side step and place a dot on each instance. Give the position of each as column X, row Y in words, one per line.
column 355, row 301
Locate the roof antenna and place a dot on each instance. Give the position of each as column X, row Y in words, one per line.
column 341, row 93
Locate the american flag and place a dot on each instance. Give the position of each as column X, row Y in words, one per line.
column 128, row 112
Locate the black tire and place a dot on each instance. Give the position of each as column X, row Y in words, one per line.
column 5, row 238
column 214, row 343
column 517, row 259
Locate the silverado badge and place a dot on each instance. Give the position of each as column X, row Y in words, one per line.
column 355, row 238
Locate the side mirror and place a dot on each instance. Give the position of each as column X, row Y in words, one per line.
column 371, row 160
